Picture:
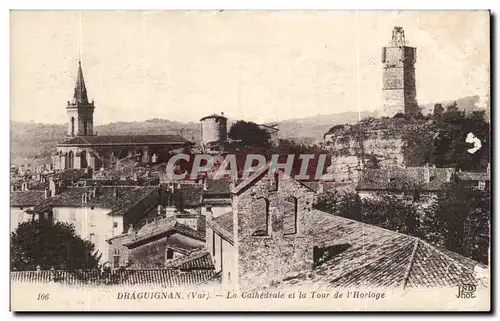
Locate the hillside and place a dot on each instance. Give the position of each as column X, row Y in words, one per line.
column 37, row 141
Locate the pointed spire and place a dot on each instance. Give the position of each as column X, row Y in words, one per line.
column 80, row 96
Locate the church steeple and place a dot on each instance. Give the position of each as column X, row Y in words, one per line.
column 80, row 95
column 79, row 110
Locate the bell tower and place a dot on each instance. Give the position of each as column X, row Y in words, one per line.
column 79, row 110
column 399, row 90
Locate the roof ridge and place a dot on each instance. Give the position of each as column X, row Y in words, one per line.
column 410, row 264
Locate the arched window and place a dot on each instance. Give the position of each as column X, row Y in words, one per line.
column 71, row 160
column 261, row 222
column 290, row 216
column 83, row 159
column 72, row 125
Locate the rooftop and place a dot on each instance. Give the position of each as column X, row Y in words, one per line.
column 404, row 178
column 26, row 198
column 125, row 140
column 161, row 228
column 213, row 116
column 473, row 176
column 223, row 224
column 161, row 277
column 126, row 197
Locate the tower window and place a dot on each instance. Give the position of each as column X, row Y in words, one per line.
column 72, row 125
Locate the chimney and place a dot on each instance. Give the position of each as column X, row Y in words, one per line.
column 320, row 186
column 449, row 172
column 170, row 211
column 427, row 174
column 53, row 187
column 130, row 229
column 222, row 113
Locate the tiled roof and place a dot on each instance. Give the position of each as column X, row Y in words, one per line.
column 161, row 228
column 66, row 177
column 223, row 224
column 404, row 178
column 198, row 260
column 217, row 201
column 126, row 198
column 178, row 244
column 218, row 187
column 126, row 140
column 26, row 198
column 361, row 255
column 472, row 176
column 191, row 194
column 162, row 277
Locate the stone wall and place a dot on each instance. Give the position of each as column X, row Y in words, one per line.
column 275, row 255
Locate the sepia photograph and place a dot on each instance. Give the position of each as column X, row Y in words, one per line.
column 221, row 160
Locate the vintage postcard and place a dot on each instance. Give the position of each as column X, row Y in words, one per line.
column 250, row 161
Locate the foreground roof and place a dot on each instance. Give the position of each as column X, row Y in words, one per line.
column 125, row 140
column 160, row 277
column 359, row 255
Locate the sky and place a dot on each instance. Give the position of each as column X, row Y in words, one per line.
column 259, row 66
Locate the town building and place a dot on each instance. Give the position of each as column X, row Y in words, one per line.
column 399, row 88
column 98, row 213
column 83, row 148
column 426, row 180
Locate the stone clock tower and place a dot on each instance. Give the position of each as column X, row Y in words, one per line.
column 399, row 90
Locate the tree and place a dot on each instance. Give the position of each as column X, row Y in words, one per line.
column 462, row 220
column 450, row 147
column 45, row 245
column 249, row 134
column 347, row 205
column 438, row 110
